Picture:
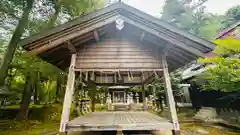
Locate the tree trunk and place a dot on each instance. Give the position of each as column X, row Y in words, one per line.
column 36, row 88
column 24, row 107
column 14, row 41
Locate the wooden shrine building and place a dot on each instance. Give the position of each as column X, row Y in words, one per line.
column 111, row 45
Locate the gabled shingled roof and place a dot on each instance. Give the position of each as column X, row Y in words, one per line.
column 83, row 26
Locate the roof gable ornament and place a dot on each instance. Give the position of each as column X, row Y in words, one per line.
column 109, row 2
column 119, row 24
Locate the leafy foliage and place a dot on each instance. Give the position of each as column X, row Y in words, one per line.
column 191, row 16
column 159, row 84
column 232, row 16
column 19, row 19
column 224, row 75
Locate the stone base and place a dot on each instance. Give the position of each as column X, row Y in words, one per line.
column 71, row 133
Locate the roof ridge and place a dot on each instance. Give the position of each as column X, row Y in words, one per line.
column 226, row 30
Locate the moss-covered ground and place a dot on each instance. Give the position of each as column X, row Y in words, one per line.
column 28, row 128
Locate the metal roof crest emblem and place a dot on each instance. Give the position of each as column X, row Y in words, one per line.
column 119, row 24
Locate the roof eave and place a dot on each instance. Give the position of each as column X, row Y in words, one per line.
column 109, row 9
column 77, row 21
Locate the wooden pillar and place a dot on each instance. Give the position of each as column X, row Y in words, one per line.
column 143, row 90
column 124, row 99
column 93, row 90
column 68, row 95
column 143, row 97
column 170, row 98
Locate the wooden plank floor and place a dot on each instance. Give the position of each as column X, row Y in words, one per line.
column 107, row 121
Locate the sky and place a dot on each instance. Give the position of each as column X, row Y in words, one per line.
column 154, row 7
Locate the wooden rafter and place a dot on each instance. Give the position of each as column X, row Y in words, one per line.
column 178, row 55
column 71, row 47
column 177, row 59
column 142, row 36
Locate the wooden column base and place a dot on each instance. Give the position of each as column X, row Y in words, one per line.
column 119, row 132
column 176, row 132
column 62, row 133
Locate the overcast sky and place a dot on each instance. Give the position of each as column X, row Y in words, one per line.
column 154, row 7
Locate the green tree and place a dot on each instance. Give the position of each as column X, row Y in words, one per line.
column 57, row 12
column 23, row 18
column 22, row 24
column 191, row 16
column 232, row 16
column 180, row 12
column 38, row 20
column 206, row 25
column 225, row 72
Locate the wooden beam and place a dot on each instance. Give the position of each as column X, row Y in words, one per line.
column 165, row 37
column 117, row 70
column 176, row 60
column 114, row 84
column 95, row 33
column 68, row 95
column 169, row 95
column 71, row 47
column 58, row 41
